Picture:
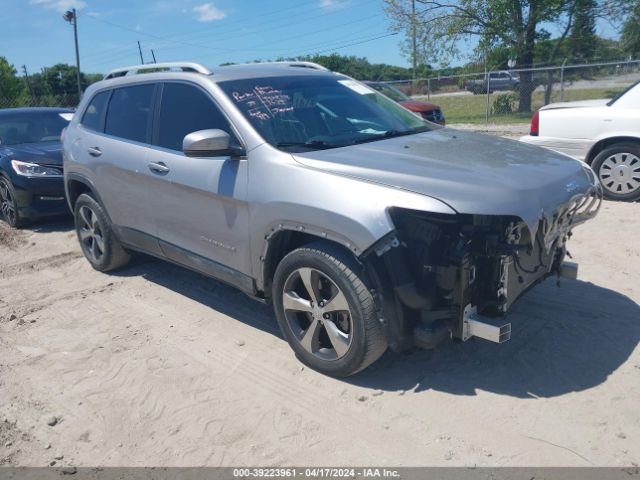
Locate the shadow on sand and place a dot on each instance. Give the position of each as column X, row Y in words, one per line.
column 563, row 340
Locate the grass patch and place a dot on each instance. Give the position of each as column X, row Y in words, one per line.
column 472, row 108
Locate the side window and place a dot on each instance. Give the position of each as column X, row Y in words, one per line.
column 93, row 115
column 186, row 109
column 129, row 113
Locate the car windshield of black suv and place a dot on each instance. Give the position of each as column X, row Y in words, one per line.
column 33, row 127
column 301, row 113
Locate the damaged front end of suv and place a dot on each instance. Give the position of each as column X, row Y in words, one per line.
column 455, row 276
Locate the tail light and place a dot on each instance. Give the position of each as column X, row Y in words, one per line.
column 535, row 125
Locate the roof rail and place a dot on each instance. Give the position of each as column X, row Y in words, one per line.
column 294, row 63
column 135, row 69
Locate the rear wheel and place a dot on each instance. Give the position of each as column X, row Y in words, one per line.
column 97, row 240
column 9, row 206
column 618, row 168
column 325, row 310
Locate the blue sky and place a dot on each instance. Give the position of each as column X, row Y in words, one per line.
column 209, row 32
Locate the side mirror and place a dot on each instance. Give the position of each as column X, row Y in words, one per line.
column 206, row 143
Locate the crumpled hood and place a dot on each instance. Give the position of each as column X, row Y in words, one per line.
column 473, row 173
column 45, row 153
column 578, row 104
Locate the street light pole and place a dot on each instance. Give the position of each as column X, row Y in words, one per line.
column 71, row 17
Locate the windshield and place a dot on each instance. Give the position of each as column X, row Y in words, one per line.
column 300, row 113
column 622, row 93
column 391, row 92
column 32, row 127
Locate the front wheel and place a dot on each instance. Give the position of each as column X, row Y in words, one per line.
column 325, row 310
column 618, row 168
column 9, row 206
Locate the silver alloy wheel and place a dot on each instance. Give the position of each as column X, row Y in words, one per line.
column 620, row 173
column 7, row 203
column 90, row 233
column 317, row 313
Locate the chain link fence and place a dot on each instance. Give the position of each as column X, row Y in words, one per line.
column 490, row 97
column 66, row 100
column 510, row 96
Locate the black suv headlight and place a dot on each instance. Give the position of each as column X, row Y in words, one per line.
column 27, row 169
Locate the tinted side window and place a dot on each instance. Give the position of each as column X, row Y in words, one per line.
column 186, row 109
column 129, row 114
column 93, row 115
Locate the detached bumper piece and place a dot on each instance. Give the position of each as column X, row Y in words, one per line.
column 492, row 329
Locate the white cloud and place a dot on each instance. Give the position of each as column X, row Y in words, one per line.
column 334, row 4
column 60, row 5
column 207, row 12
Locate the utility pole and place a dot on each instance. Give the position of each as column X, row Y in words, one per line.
column 414, row 53
column 26, row 77
column 140, row 50
column 72, row 17
column 154, row 56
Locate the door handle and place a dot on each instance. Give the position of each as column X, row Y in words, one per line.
column 94, row 151
column 159, row 168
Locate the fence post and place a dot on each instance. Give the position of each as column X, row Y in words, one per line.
column 429, row 89
column 488, row 79
column 562, row 80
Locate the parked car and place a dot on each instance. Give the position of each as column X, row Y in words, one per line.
column 428, row 111
column 363, row 224
column 31, row 180
column 603, row 133
column 501, row 80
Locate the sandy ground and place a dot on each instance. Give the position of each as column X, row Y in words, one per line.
column 156, row 365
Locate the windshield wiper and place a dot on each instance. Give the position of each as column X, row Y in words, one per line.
column 319, row 144
column 385, row 135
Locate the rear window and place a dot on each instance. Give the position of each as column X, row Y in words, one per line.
column 94, row 114
column 129, row 113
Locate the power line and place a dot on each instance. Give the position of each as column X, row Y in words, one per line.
column 168, row 39
column 289, row 38
column 352, row 44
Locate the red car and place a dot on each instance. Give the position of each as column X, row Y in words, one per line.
column 428, row 111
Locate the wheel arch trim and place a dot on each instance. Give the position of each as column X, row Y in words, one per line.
column 76, row 177
column 603, row 143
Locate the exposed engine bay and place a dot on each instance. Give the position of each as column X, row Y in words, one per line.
column 457, row 275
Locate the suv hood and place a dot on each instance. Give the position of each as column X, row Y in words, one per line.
column 473, row 173
column 578, row 104
column 45, row 153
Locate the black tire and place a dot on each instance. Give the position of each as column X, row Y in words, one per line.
column 8, row 206
column 630, row 167
column 367, row 341
column 106, row 255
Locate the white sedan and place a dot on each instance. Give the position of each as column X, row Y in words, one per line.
column 603, row 133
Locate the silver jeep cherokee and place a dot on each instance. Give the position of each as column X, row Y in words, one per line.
column 363, row 224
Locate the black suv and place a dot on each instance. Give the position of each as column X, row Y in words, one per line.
column 31, row 176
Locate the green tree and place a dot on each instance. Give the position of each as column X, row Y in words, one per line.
column 631, row 33
column 582, row 39
column 11, row 87
column 516, row 24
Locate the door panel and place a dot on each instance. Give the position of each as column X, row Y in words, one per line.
column 200, row 204
column 121, row 172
